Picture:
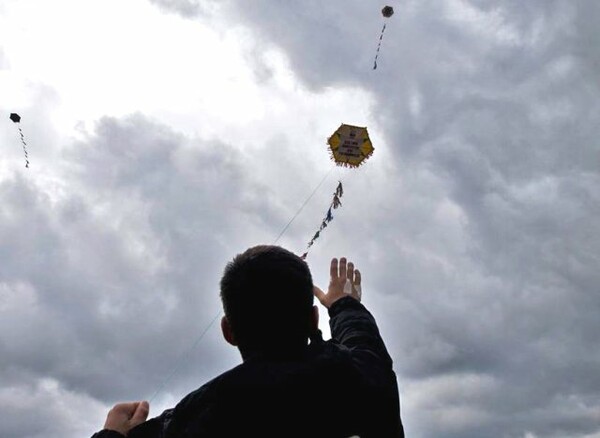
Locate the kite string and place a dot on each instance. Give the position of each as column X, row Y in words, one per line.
column 183, row 358
column 378, row 47
column 24, row 147
column 187, row 354
column 303, row 205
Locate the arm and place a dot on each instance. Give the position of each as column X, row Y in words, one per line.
column 354, row 327
column 351, row 323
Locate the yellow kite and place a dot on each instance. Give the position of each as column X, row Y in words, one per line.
column 350, row 146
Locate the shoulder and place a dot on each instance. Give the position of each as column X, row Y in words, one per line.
column 207, row 393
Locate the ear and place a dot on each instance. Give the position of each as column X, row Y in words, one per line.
column 314, row 319
column 227, row 331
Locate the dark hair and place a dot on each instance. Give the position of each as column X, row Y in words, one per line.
column 267, row 295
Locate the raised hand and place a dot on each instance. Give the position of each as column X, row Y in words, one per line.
column 344, row 280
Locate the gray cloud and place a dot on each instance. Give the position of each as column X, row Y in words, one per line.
column 118, row 270
column 42, row 408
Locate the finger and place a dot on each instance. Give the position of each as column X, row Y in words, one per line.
column 357, row 277
column 319, row 294
column 141, row 413
column 343, row 267
column 357, row 292
column 350, row 271
column 127, row 409
column 348, row 287
column 333, row 270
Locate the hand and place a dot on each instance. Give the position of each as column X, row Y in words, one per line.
column 125, row 416
column 344, row 281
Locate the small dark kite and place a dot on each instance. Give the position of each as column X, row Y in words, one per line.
column 387, row 12
column 17, row 119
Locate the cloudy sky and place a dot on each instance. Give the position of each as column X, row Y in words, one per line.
column 165, row 136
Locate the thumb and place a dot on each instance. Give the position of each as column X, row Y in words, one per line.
column 141, row 413
column 319, row 294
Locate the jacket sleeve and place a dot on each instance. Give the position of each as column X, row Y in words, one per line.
column 353, row 326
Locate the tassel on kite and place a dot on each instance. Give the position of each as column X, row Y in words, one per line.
column 17, row 119
column 387, row 12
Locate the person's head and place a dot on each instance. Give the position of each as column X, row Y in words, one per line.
column 267, row 295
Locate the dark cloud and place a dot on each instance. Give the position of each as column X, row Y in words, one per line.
column 41, row 408
column 119, row 269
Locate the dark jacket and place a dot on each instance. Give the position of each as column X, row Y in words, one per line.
column 339, row 388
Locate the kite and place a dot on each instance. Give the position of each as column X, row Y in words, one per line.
column 17, row 119
column 349, row 146
column 387, row 12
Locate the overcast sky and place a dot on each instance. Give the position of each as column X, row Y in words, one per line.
column 166, row 136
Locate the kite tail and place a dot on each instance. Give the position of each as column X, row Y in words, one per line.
column 378, row 47
column 24, row 148
column 335, row 203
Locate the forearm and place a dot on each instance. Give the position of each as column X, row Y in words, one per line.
column 353, row 326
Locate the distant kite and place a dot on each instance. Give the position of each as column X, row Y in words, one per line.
column 387, row 12
column 17, row 119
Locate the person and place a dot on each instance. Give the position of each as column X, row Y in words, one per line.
column 286, row 386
